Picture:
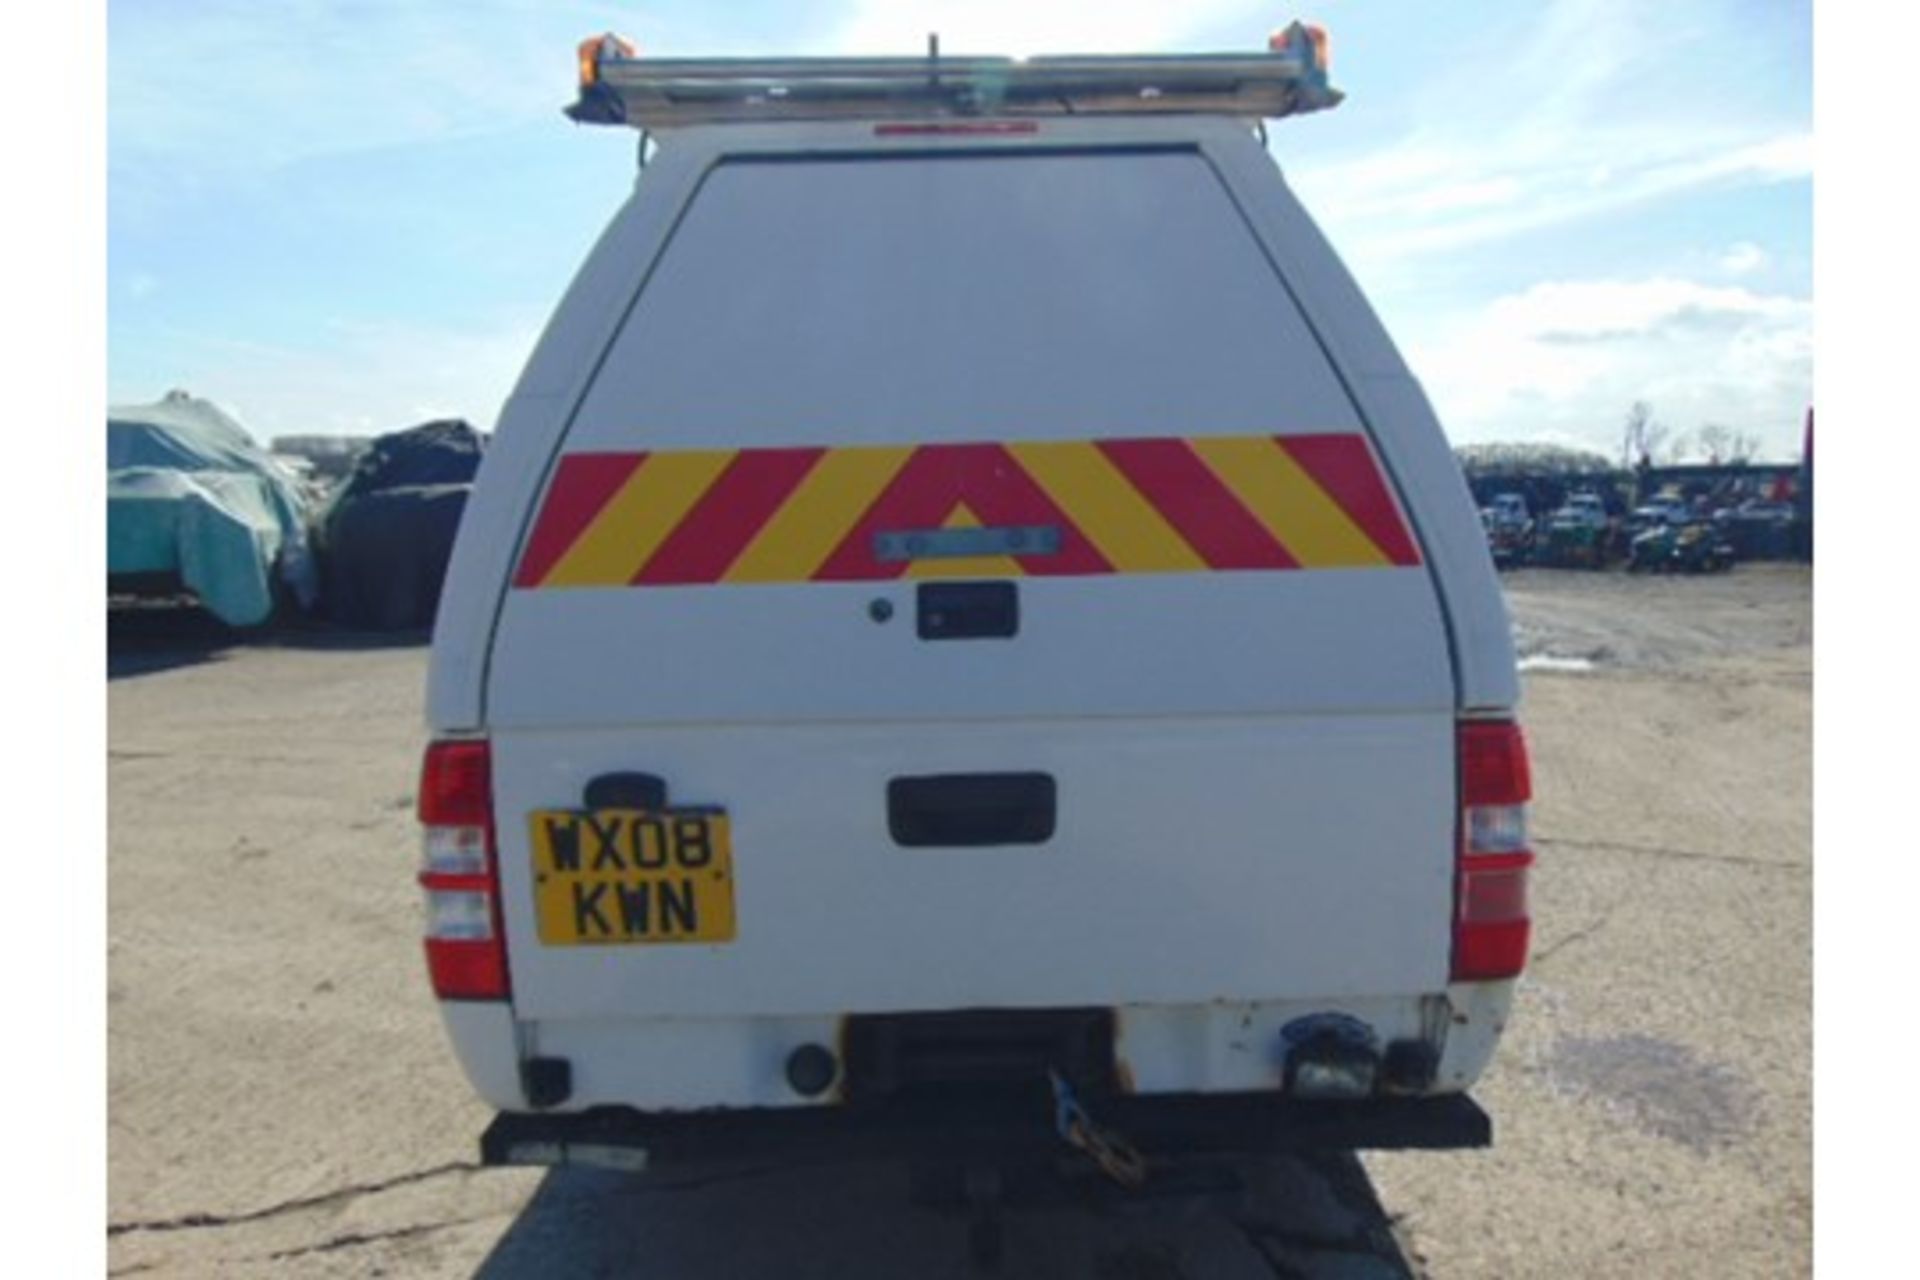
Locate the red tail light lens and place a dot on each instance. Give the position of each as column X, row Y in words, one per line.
column 467, row 970
column 1493, row 764
column 1491, row 922
column 466, row 946
column 456, row 784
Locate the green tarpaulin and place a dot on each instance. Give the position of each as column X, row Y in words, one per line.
column 190, row 495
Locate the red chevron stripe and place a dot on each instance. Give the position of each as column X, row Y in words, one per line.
column 746, row 495
column 937, row 478
column 582, row 484
column 1171, row 476
column 1344, row 466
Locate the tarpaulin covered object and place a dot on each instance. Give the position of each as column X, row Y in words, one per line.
column 387, row 535
column 191, row 498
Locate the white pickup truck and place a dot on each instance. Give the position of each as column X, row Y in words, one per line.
column 969, row 634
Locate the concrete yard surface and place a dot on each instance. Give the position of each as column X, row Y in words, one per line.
column 282, row 1101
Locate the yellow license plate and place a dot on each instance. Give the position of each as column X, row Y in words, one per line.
column 632, row 876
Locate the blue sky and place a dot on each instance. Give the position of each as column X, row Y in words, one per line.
column 350, row 216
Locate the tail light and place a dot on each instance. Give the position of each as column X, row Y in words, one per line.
column 466, row 948
column 1491, row 925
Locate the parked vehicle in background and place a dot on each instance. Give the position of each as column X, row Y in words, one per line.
column 1509, row 527
column 196, row 509
column 1584, row 508
column 330, row 459
column 1759, row 529
column 1660, row 511
column 1578, row 535
column 387, row 533
column 1511, row 509
column 1762, row 509
column 1697, row 546
column 911, row 728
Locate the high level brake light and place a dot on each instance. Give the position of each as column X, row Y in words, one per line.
column 466, row 948
column 1491, row 924
column 918, row 128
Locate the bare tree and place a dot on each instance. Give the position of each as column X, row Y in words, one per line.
column 1639, row 414
column 1678, row 446
column 1716, row 442
column 1722, row 444
column 1642, row 436
column 1552, row 459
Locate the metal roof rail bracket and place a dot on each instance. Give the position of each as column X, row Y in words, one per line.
column 618, row 86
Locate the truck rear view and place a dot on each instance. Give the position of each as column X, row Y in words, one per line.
column 968, row 623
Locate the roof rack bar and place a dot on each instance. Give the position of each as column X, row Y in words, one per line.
column 620, row 87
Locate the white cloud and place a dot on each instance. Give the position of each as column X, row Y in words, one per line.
column 1557, row 122
column 1546, row 127
column 1434, row 196
column 1562, row 360
column 228, row 86
column 1743, row 258
column 365, row 378
column 1603, row 309
column 1452, row 196
column 1023, row 27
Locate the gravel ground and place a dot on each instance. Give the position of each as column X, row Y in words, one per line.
column 1653, row 1096
column 281, row 1100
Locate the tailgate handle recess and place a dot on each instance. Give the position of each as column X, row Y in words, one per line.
column 625, row 791
column 971, row 810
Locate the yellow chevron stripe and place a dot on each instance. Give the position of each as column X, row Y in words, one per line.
column 1129, row 531
column 1284, row 498
column 817, row 516
column 633, row 524
column 962, row 517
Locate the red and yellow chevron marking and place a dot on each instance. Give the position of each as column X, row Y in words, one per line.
column 1195, row 505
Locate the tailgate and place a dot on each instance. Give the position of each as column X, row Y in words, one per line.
column 1191, row 861
column 1249, row 790
column 971, row 467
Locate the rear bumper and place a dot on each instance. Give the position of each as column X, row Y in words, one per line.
column 1159, row 1125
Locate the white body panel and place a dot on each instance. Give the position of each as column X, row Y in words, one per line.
column 685, row 1062
column 532, row 424
column 1195, row 860
column 905, row 312
column 1255, row 770
column 1326, row 642
column 485, row 1041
